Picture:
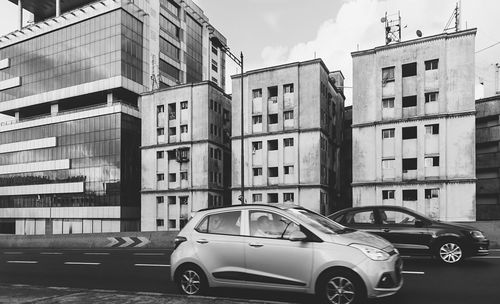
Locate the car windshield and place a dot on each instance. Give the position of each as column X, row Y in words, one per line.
column 317, row 221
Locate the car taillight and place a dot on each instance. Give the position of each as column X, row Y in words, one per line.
column 178, row 240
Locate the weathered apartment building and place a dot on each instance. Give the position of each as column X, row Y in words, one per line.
column 186, row 153
column 292, row 135
column 414, row 126
column 70, row 80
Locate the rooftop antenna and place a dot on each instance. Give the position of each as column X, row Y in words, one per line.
column 392, row 27
column 154, row 79
column 457, row 16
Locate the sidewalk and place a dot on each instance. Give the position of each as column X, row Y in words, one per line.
column 23, row 294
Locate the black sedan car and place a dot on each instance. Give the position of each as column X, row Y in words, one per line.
column 415, row 234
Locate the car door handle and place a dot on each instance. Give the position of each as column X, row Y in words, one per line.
column 202, row 241
column 255, row 244
column 386, row 230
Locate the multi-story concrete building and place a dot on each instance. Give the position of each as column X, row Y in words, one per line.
column 70, row 158
column 346, row 160
column 186, row 150
column 292, row 135
column 414, row 126
column 488, row 158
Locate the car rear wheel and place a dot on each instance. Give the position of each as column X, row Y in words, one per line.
column 450, row 252
column 191, row 280
column 341, row 287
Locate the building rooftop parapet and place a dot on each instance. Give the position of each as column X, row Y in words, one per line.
column 487, row 99
column 187, row 85
column 415, row 41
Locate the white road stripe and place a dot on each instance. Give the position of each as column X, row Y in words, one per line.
column 22, row 262
column 12, row 252
column 96, row 253
column 145, row 253
column 412, row 272
column 487, row 257
column 81, row 263
column 51, row 253
column 152, row 265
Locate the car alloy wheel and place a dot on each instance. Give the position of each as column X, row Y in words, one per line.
column 341, row 287
column 450, row 252
column 191, row 281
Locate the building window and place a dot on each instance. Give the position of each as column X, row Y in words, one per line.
column 160, row 199
column 215, row 68
column 160, row 109
column 169, row 49
column 256, row 145
column 432, row 161
column 171, row 200
column 160, row 131
column 214, row 50
column 388, row 133
column 171, row 154
column 272, row 145
column 288, row 197
column 211, row 104
column 388, row 103
column 432, row 129
column 387, row 163
column 273, row 119
column 184, row 176
column 171, row 224
column 160, row 176
column 431, row 193
column 183, row 200
column 257, row 198
column 272, row 92
column 409, row 132
column 170, row 6
column 257, row 171
column 288, row 170
column 288, row 142
column 409, row 69
column 184, row 105
column 410, row 195
column 184, row 128
column 288, row 88
column 387, row 75
column 160, row 154
column 257, row 93
column 431, row 97
column 432, row 64
column 257, row 119
column 409, row 101
column 273, row 171
column 160, row 222
column 288, row 115
column 272, row 198
column 409, row 164
column 387, row 194
column 172, row 131
column 172, row 177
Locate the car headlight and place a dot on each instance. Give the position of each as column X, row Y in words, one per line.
column 372, row 252
column 478, row 235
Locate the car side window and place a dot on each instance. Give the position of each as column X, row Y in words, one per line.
column 221, row 223
column 271, row 225
column 395, row 217
column 360, row 217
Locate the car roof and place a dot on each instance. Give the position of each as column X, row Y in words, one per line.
column 370, row 207
column 276, row 206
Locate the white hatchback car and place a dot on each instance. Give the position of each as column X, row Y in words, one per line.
column 286, row 248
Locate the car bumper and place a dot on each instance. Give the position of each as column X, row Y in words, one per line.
column 481, row 248
column 385, row 278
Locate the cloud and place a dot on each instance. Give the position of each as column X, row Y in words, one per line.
column 357, row 26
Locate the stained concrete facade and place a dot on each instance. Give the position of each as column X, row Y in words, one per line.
column 292, row 132
column 185, row 153
column 414, row 126
column 488, row 158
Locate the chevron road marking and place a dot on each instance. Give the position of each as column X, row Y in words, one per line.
column 126, row 241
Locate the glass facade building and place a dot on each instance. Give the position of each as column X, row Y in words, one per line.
column 194, row 47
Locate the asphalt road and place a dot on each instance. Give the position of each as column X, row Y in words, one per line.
column 426, row 280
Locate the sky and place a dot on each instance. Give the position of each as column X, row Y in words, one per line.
column 272, row 32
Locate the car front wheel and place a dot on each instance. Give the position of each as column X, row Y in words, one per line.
column 191, row 280
column 450, row 252
column 341, row 287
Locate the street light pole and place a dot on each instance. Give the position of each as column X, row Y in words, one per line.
column 239, row 61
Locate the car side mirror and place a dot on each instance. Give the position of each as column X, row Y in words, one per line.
column 419, row 224
column 297, row 236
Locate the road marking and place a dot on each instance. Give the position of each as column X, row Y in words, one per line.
column 12, row 252
column 145, row 293
column 146, row 253
column 81, row 263
column 487, row 257
column 152, row 265
column 22, row 262
column 494, row 249
column 51, row 253
column 96, row 253
column 412, row 272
